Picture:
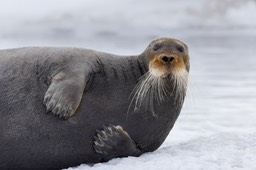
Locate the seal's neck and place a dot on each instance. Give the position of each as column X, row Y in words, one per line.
column 142, row 60
column 137, row 63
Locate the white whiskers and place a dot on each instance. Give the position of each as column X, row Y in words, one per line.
column 180, row 78
column 152, row 89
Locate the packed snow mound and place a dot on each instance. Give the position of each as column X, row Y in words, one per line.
column 222, row 151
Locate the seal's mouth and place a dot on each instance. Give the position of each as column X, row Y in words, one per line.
column 164, row 65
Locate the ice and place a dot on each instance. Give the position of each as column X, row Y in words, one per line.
column 217, row 127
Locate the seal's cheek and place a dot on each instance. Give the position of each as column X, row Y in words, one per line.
column 163, row 65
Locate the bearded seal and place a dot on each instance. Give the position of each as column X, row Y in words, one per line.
column 106, row 105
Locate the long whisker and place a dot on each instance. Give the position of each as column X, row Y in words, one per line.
column 152, row 88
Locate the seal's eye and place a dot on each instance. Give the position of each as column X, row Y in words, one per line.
column 180, row 48
column 157, row 47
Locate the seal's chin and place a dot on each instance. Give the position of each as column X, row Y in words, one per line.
column 157, row 72
column 168, row 72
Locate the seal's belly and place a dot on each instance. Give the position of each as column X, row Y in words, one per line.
column 107, row 102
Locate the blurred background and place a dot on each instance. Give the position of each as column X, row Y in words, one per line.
column 221, row 35
column 125, row 24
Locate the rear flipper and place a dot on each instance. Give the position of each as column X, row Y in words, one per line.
column 113, row 141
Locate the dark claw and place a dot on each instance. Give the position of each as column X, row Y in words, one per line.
column 56, row 110
column 65, row 114
column 97, row 149
column 46, row 99
column 50, row 106
column 108, row 131
column 47, row 110
column 100, row 136
column 114, row 129
column 60, row 111
column 69, row 112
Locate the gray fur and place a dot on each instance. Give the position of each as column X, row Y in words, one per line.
column 30, row 138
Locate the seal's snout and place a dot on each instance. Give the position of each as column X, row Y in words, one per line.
column 165, row 64
column 166, row 59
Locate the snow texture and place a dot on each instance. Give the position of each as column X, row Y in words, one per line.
column 217, row 126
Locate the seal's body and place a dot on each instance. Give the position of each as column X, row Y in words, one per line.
column 106, row 112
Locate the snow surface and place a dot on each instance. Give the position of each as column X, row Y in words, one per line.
column 217, row 126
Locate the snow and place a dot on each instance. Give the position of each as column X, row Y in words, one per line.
column 217, row 127
column 222, row 151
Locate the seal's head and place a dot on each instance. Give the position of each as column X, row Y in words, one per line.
column 167, row 63
column 166, row 56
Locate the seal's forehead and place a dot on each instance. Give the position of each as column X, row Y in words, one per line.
column 168, row 41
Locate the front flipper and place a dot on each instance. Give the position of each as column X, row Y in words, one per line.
column 113, row 141
column 65, row 93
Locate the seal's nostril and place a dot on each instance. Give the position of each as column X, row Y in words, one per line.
column 171, row 59
column 165, row 59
